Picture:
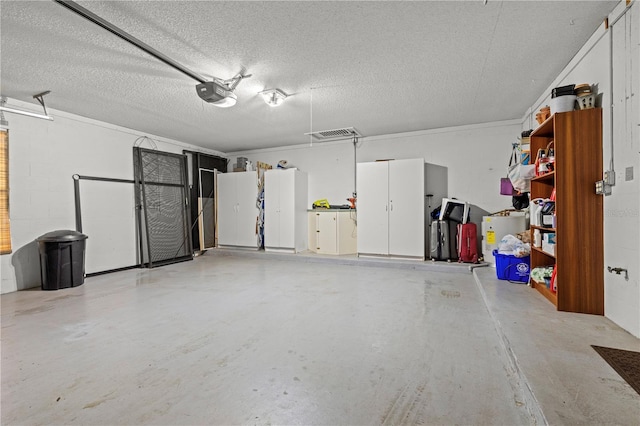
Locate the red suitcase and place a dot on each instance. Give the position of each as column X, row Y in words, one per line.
column 467, row 243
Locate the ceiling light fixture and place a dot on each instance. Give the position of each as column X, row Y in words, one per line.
column 39, row 97
column 273, row 97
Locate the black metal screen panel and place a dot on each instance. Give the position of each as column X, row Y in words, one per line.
column 164, row 219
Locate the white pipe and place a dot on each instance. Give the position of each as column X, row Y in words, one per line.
column 611, row 112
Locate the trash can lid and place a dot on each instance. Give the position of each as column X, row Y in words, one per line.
column 61, row 236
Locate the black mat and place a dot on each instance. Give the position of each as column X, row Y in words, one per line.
column 626, row 364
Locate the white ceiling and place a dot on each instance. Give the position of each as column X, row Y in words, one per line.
column 381, row 67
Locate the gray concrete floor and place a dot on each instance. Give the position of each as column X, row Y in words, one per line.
column 257, row 338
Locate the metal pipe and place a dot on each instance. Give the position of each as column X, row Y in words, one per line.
column 102, row 179
column 355, row 166
column 76, row 194
column 611, row 112
column 74, row 7
column 612, row 105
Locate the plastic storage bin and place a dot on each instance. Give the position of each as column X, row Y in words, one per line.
column 511, row 268
column 61, row 259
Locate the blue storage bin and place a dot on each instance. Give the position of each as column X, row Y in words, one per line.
column 511, row 268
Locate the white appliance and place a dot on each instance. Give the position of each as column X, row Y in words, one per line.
column 455, row 210
column 494, row 228
column 237, row 210
column 285, row 210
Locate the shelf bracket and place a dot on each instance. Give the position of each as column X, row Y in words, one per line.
column 40, row 98
column 618, row 271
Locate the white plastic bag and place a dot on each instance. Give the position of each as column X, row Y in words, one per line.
column 514, row 246
column 520, row 174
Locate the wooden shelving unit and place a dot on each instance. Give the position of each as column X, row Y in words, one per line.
column 579, row 252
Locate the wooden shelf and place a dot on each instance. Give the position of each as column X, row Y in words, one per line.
column 579, row 250
column 542, row 251
column 543, row 228
column 542, row 288
column 545, row 128
column 545, row 177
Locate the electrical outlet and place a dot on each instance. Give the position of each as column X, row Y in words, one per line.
column 602, row 188
column 610, row 177
column 628, row 174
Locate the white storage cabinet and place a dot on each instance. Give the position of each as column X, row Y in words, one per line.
column 285, row 210
column 237, row 209
column 391, row 208
column 333, row 231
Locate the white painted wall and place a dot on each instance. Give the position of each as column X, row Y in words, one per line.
column 43, row 156
column 621, row 209
column 476, row 157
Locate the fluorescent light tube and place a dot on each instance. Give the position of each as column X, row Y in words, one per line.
column 27, row 113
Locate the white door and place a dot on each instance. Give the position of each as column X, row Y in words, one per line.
column 227, row 206
column 373, row 195
column 206, row 209
column 247, row 210
column 271, row 208
column 406, row 207
column 327, row 235
column 287, row 209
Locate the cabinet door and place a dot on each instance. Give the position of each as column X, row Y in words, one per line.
column 271, row 208
column 327, row 235
column 406, row 207
column 373, row 195
column 227, row 206
column 346, row 232
column 247, row 211
column 287, row 211
column 312, row 227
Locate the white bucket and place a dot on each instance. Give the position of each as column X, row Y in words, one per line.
column 563, row 103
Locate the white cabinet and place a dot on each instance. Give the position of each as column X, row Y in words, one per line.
column 391, row 208
column 237, row 209
column 285, row 210
column 333, row 231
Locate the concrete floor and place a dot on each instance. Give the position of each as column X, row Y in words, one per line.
column 257, row 338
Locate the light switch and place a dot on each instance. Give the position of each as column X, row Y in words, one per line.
column 628, row 173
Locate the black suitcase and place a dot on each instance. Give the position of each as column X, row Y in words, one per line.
column 443, row 240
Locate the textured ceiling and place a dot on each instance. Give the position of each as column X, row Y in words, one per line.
column 381, row 67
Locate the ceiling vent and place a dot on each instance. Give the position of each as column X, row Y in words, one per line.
column 327, row 135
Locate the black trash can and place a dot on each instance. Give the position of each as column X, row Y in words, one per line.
column 61, row 259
